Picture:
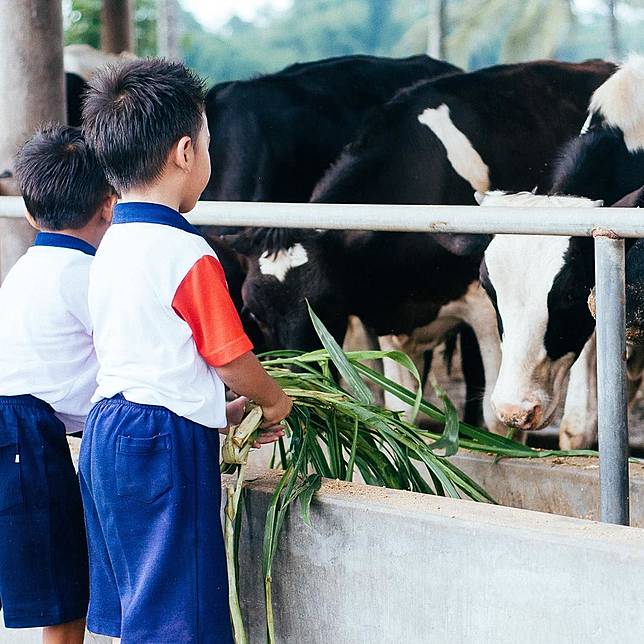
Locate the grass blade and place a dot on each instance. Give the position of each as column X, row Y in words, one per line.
column 340, row 360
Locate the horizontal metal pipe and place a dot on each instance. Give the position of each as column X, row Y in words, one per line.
column 577, row 222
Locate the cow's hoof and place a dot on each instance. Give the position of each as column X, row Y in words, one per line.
column 569, row 439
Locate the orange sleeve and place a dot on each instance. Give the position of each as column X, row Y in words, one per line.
column 203, row 301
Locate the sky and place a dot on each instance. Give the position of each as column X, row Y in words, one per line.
column 213, row 14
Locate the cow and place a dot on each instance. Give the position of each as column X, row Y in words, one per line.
column 274, row 136
column 553, row 276
column 539, row 286
column 634, row 276
column 607, row 162
column 436, row 142
column 75, row 88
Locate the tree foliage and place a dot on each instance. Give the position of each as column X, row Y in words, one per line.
column 82, row 21
column 476, row 32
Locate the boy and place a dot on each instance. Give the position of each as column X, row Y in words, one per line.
column 47, row 377
column 168, row 339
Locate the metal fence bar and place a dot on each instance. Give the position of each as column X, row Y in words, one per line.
column 611, row 380
column 577, row 222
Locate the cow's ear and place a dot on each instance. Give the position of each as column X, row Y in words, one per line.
column 463, row 245
column 241, row 243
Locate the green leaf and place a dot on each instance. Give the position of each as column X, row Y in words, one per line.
column 312, row 485
column 402, row 359
column 449, row 440
column 340, row 360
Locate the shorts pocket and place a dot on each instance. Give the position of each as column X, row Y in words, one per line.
column 10, row 479
column 144, row 467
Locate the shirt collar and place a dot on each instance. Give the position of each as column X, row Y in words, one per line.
column 151, row 213
column 60, row 240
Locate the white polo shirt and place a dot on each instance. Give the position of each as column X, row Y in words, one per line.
column 162, row 316
column 46, row 347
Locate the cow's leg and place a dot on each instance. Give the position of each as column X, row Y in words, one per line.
column 416, row 345
column 634, row 369
column 476, row 309
column 398, row 373
column 473, row 374
column 578, row 428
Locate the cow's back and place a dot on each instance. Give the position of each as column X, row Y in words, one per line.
column 442, row 139
column 274, row 136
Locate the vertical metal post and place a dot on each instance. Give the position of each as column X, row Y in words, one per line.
column 611, row 378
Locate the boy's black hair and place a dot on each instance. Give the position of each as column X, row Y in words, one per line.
column 60, row 178
column 134, row 113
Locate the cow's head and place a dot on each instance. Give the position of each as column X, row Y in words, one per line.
column 618, row 104
column 539, row 286
column 285, row 269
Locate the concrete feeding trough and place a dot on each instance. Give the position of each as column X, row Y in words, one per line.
column 387, row 566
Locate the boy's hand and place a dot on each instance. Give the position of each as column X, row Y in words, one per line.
column 235, row 413
column 276, row 413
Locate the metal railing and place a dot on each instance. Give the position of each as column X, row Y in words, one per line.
column 609, row 227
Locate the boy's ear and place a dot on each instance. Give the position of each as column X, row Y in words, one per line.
column 107, row 207
column 32, row 221
column 183, row 153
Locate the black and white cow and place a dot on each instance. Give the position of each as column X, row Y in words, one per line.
column 274, row 136
column 75, row 88
column 540, row 285
column 434, row 143
column 634, row 276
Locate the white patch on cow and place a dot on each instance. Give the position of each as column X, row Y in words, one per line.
column 621, row 101
column 280, row 263
column 465, row 160
column 84, row 60
column 522, row 269
column 530, row 200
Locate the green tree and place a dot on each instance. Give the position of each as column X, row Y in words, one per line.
column 82, row 21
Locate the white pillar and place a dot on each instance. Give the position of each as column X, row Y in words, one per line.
column 167, row 26
column 436, row 28
column 32, row 91
column 117, row 26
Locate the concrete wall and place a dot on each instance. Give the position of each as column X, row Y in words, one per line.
column 395, row 567
column 567, row 486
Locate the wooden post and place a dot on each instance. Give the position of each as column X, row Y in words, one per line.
column 117, row 26
column 32, row 91
column 167, row 26
column 614, row 40
column 436, row 29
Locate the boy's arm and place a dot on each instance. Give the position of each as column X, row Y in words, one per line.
column 203, row 302
column 246, row 376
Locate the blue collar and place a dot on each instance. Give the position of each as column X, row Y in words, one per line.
column 151, row 213
column 64, row 241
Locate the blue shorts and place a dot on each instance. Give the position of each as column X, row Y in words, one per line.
column 151, row 489
column 43, row 551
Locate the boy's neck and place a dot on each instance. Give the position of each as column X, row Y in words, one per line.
column 91, row 236
column 156, row 194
